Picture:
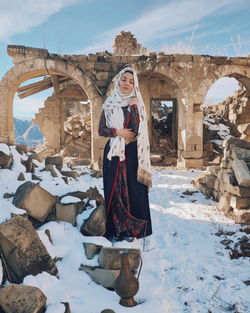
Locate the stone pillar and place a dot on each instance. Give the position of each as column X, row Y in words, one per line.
column 6, row 109
column 97, row 142
column 192, row 139
column 61, row 120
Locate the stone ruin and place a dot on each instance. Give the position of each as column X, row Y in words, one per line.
column 236, row 109
column 126, row 44
column 69, row 121
column 22, row 252
column 229, row 183
column 86, row 80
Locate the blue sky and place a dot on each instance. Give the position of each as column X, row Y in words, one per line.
column 84, row 26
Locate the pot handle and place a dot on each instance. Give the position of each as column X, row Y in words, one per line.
column 139, row 272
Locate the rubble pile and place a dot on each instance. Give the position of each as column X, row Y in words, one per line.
column 77, row 130
column 22, row 252
column 229, row 183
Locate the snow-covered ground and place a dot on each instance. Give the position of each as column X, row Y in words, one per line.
column 189, row 270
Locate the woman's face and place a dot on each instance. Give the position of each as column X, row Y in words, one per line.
column 126, row 83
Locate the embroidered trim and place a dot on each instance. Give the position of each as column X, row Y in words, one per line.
column 113, row 188
column 144, row 177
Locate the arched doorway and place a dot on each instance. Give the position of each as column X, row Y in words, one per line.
column 55, row 71
column 162, row 97
column 227, row 117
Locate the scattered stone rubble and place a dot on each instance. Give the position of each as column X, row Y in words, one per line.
column 35, row 200
column 21, row 251
column 229, row 183
column 109, row 264
column 6, row 157
column 77, row 137
column 232, row 113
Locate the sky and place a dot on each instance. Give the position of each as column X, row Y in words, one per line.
column 87, row 26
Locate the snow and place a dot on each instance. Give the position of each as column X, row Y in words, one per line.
column 4, row 148
column 222, row 130
column 70, row 199
column 188, row 270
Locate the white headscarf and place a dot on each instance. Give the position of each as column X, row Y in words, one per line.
column 112, row 108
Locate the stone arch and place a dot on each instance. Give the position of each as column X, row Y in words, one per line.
column 35, row 68
column 211, row 74
column 239, row 72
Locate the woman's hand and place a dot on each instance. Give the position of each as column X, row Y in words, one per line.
column 126, row 133
column 133, row 101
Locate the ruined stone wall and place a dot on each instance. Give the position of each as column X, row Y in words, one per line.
column 235, row 109
column 186, row 77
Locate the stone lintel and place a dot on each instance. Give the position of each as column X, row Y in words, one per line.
column 36, row 52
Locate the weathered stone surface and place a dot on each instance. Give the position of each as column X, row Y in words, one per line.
column 240, row 153
column 200, row 177
column 19, row 299
column 66, row 179
column 236, row 190
column 224, row 203
column 240, row 203
column 95, row 225
column 101, row 276
column 35, row 200
column 78, row 162
column 242, row 172
column 209, row 180
column 214, row 170
column 35, row 177
column 93, row 194
column 21, row 149
column 78, row 194
column 101, row 68
column 228, row 177
column 72, row 174
column 234, row 142
column 23, row 250
column 66, row 213
column 50, row 168
column 242, row 216
column 28, row 165
column 55, row 160
column 6, row 157
column 91, row 249
column 110, row 258
column 204, row 189
column 21, row 177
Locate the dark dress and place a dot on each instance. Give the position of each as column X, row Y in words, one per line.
column 126, row 200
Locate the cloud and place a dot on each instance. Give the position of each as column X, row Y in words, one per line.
column 172, row 19
column 18, row 16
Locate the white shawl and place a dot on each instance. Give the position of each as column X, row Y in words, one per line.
column 112, row 108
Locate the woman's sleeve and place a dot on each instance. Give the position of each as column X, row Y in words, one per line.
column 135, row 118
column 103, row 129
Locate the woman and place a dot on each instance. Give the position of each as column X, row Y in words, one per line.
column 126, row 160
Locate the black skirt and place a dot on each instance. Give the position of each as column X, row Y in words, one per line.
column 126, row 200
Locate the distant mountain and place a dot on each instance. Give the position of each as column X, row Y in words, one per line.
column 27, row 133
